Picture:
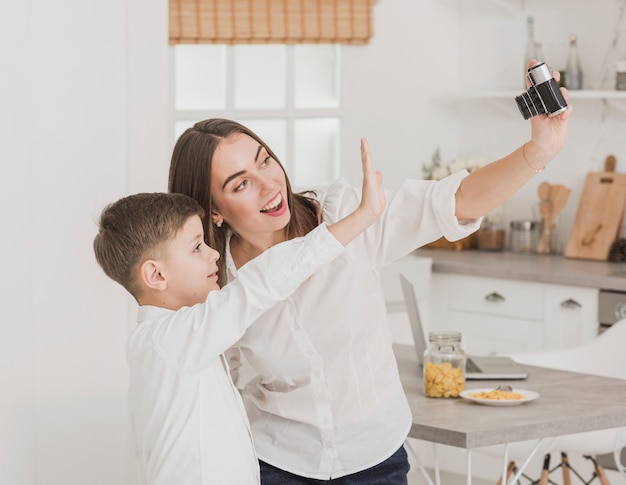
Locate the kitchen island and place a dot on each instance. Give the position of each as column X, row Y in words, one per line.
column 462, row 424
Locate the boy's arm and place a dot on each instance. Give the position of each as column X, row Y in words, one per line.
column 196, row 334
column 372, row 202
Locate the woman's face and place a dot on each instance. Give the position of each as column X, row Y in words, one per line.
column 249, row 188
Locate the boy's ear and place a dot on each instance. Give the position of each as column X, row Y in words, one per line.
column 150, row 274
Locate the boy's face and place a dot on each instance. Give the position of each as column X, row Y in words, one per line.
column 190, row 266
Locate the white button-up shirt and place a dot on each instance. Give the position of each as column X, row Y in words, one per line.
column 189, row 421
column 328, row 401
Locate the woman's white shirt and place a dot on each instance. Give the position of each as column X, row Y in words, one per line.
column 328, row 401
column 189, row 421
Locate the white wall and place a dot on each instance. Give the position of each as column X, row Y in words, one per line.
column 496, row 39
column 83, row 121
column 395, row 88
column 64, row 126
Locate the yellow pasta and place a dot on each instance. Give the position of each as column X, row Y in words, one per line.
column 443, row 380
column 497, row 395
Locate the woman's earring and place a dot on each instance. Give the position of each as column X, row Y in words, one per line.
column 218, row 223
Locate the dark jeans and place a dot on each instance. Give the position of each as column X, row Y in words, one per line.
column 392, row 471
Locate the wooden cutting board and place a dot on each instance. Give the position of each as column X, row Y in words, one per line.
column 599, row 217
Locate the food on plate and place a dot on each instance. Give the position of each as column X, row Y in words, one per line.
column 443, row 380
column 497, row 394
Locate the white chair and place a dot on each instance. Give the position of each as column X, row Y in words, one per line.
column 603, row 356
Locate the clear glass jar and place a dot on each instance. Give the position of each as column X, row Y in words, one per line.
column 444, row 365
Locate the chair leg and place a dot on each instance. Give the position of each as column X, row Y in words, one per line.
column 545, row 472
column 567, row 479
column 599, row 469
column 509, row 472
column 566, row 470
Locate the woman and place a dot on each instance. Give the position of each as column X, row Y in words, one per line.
column 328, row 403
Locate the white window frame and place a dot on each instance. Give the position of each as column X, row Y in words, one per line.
column 289, row 114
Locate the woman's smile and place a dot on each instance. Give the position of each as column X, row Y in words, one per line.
column 275, row 207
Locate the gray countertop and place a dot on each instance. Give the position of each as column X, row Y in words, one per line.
column 461, row 423
column 529, row 267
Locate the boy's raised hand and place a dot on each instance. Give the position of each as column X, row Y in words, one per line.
column 371, row 206
column 373, row 195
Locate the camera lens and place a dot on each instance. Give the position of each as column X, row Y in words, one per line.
column 529, row 103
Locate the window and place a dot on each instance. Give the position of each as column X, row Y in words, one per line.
column 288, row 94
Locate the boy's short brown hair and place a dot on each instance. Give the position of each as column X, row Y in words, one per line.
column 135, row 228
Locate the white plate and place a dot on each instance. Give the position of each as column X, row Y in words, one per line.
column 528, row 396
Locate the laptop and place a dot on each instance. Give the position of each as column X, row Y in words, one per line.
column 477, row 367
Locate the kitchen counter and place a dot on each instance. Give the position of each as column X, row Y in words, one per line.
column 554, row 269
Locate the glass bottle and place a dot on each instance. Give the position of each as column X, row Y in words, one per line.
column 573, row 71
column 539, row 52
column 530, row 41
column 444, row 365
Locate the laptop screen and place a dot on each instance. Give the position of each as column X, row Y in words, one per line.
column 410, row 301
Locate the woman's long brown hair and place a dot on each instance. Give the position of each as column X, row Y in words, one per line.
column 190, row 174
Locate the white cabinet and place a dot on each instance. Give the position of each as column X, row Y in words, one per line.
column 571, row 315
column 416, row 270
column 507, row 316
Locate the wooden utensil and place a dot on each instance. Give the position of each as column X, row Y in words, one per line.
column 546, row 212
column 599, row 217
column 558, row 196
column 553, row 198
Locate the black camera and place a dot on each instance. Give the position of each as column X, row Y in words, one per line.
column 543, row 96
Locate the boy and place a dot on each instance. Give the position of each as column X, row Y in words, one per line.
column 189, row 421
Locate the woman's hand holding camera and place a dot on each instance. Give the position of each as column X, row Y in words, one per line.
column 548, row 132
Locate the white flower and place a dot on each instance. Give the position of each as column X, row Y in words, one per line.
column 456, row 165
column 436, row 170
column 440, row 173
column 475, row 163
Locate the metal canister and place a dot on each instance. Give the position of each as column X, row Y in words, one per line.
column 524, row 236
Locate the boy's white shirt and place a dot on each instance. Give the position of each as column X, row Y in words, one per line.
column 189, row 422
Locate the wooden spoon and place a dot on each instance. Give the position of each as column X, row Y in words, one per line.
column 559, row 194
column 546, row 211
column 544, row 191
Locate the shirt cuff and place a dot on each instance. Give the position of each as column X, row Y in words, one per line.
column 444, row 206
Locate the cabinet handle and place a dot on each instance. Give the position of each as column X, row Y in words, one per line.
column 569, row 303
column 494, row 296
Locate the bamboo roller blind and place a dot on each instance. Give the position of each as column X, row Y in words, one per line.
column 270, row 21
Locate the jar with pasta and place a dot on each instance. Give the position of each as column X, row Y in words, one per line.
column 444, row 365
